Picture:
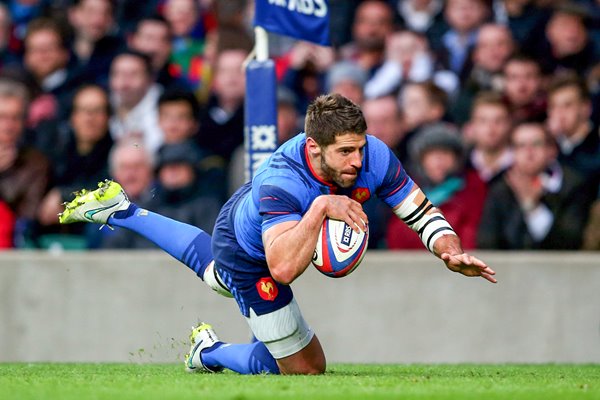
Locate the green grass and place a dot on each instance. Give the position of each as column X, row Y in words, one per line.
column 342, row 381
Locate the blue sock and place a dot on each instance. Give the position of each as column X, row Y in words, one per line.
column 187, row 243
column 251, row 358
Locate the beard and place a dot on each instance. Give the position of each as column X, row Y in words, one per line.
column 337, row 177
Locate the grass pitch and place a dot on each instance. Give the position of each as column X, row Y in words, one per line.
column 342, row 381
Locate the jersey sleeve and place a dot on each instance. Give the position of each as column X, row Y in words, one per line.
column 396, row 184
column 277, row 205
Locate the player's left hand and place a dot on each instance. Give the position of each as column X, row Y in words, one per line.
column 468, row 265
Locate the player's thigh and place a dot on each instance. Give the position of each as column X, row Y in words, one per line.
column 289, row 339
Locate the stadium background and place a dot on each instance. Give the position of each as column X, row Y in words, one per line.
column 181, row 166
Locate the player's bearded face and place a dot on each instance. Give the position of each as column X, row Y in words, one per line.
column 338, row 171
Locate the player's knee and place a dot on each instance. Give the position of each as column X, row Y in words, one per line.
column 316, row 367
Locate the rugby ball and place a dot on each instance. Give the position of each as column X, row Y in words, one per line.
column 339, row 248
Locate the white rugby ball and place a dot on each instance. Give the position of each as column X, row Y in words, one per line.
column 339, row 248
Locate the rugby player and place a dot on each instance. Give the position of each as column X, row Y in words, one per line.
column 266, row 233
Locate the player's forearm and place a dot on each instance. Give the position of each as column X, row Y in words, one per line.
column 290, row 253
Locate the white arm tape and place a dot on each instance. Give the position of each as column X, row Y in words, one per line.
column 430, row 227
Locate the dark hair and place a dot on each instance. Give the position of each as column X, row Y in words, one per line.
column 77, row 3
column 143, row 57
column 152, row 18
column 48, row 24
column 523, row 58
column 489, row 98
column 87, row 86
column 435, row 94
column 548, row 138
column 569, row 80
column 332, row 115
column 177, row 95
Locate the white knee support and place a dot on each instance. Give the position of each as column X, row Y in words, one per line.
column 214, row 281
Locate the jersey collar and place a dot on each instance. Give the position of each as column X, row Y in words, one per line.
column 332, row 187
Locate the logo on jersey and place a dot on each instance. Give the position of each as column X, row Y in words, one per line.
column 361, row 194
column 267, row 289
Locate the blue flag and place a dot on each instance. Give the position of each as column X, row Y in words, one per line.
column 301, row 19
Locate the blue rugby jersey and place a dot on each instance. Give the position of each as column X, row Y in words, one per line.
column 285, row 186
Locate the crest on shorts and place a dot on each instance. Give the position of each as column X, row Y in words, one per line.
column 267, row 289
column 361, row 194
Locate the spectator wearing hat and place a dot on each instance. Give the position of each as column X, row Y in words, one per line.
column 439, row 159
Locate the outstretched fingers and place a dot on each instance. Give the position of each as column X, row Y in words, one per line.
column 468, row 265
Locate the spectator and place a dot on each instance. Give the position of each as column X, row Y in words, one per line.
column 131, row 165
column 538, row 204
column 373, row 22
column 524, row 19
column 222, row 120
column 569, row 111
column 407, row 58
column 184, row 17
column 93, row 46
column 493, row 47
column 419, row 15
column 46, row 59
column 421, row 104
column 440, row 165
column 347, row 79
column 567, row 45
column 152, row 36
column 178, row 113
column 183, row 192
column 24, row 172
column 134, row 97
column 454, row 42
column 179, row 193
column 523, row 89
column 84, row 160
column 488, row 132
column 384, row 120
column 288, row 119
column 306, row 73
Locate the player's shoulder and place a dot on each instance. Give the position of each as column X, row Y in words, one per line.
column 377, row 152
column 375, row 145
column 285, row 168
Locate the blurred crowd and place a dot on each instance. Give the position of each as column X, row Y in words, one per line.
column 493, row 107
